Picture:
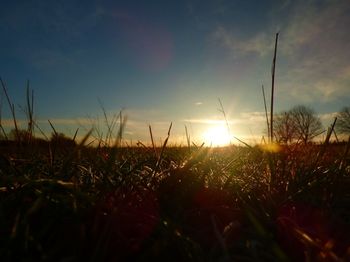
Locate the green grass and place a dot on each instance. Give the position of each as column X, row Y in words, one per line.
column 78, row 203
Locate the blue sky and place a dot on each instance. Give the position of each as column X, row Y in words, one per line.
column 166, row 61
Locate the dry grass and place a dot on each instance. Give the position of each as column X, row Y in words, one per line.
column 208, row 204
column 63, row 201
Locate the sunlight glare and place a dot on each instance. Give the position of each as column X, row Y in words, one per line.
column 217, row 136
column 272, row 148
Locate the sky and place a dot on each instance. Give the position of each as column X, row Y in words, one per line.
column 171, row 61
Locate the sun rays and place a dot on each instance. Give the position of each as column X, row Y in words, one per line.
column 217, row 135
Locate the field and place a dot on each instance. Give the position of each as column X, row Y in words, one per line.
column 68, row 202
column 255, row 168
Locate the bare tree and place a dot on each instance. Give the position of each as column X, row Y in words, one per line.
column 306, row 123
column 297, row 124
column 284, row 128
column 343, row 123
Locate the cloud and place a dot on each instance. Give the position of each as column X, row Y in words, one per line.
column 344, row 73
column 253, row 116
column 313, row 51
column 87, row 122
column 208, row 121
column 67, row 121
column 328, row 116
column 310, row 90
column 145, row 114
column 314, row 48
column 8, row 123
column 321, row 24
column 259, row 44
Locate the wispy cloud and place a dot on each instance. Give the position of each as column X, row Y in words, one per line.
column 67, row 121
column 253, row 116
column 315, row 46
column 317, row 24
column 328, row 116
column 259, row 44
column 208, row 121
column 313, row 52
column 8, row 123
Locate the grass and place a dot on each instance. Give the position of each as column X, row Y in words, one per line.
column 63, row 201
column 69, row 202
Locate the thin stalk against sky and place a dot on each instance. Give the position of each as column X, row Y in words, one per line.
column 273, row 88
column 267, row 117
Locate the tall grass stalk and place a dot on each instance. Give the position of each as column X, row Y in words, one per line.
column 188, row 139
column 266, row 115
column 41, row 131
column 75, row 134
column 342, row 164
column 152, row 140
column 53, row 128
column 326, row 142
column 162, row 151
column 1, row 126
column 12, row 109
column 222, row 110
column 271, row 158
column 110, row 124
column 273, row 88
column 30, row 112
column 75, row 153
column 224, row 114
column 122, row 125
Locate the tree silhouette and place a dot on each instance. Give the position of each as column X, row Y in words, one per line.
column 307, row 124
column 343, row 123
column 297, row 124
column 20, row 135
column 284, row 128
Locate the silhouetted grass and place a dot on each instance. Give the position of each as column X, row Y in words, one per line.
column 63, row 201
column 107, row 204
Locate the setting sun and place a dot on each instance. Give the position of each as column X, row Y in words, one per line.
column 217, row 135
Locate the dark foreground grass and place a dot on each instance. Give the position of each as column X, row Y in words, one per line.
column 77, row 203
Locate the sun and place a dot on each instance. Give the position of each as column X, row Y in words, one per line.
column 217, row 135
